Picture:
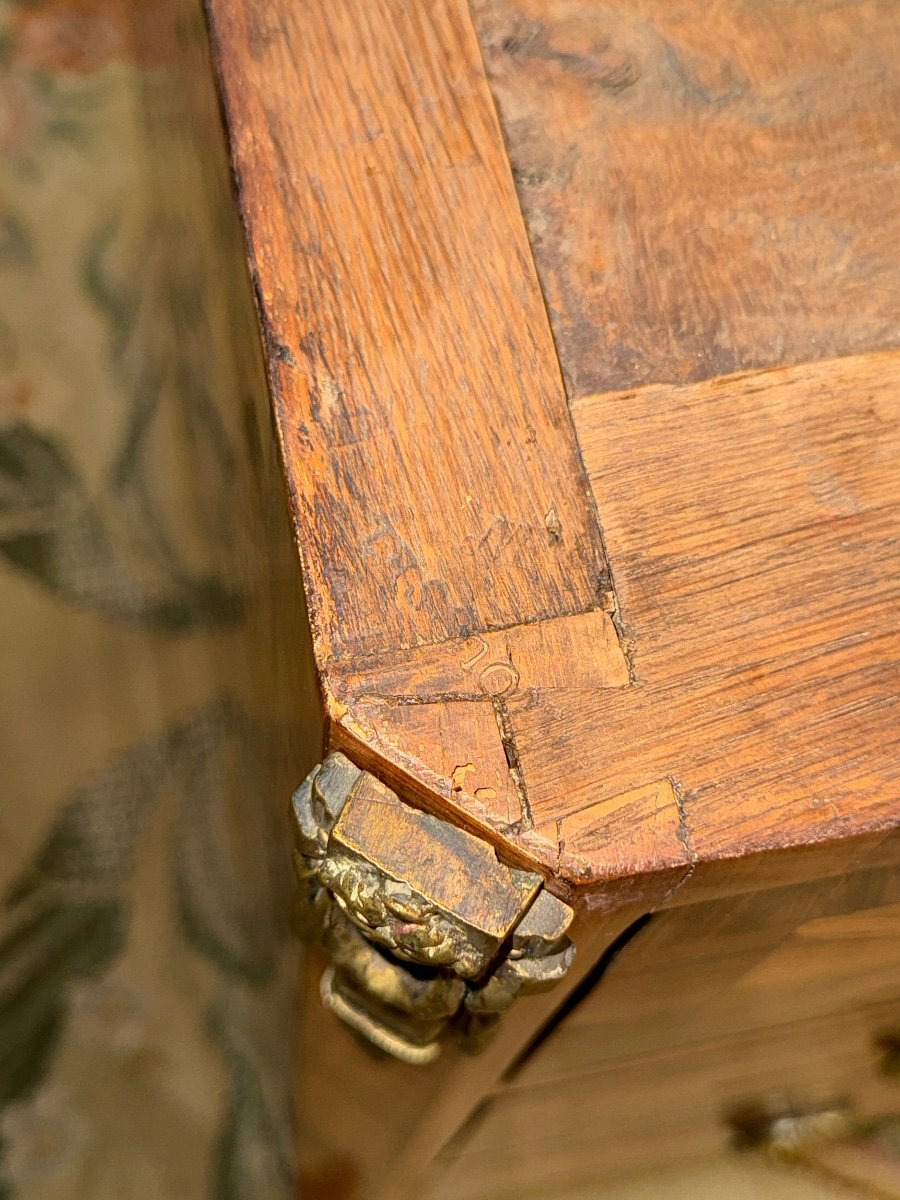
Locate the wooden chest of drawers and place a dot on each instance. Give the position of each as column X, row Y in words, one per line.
column 580, row 324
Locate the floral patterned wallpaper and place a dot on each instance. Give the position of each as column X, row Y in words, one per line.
column 152, row 726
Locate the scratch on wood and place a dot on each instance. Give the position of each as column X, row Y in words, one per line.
column 504, row 724
column 684, row 829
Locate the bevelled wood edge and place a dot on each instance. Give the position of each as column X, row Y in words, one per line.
column 457, row 757
column 434, row 725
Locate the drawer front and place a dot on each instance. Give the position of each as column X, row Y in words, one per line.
column 786, row 997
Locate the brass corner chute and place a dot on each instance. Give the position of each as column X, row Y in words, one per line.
column 429, row 936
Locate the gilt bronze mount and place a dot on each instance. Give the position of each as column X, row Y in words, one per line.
column 430, row 937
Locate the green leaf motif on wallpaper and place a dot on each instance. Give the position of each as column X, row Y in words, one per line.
column 231, row 879
column 52, row 530
column 155, row 542
column 16, row 244
column 69, row 916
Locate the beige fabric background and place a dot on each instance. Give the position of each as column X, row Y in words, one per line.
column 147, row 983
column 149, row 737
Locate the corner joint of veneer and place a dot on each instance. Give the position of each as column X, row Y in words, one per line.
column 407, row 749
column 635, row 844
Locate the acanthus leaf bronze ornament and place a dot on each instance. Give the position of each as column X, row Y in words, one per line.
column 429, row 936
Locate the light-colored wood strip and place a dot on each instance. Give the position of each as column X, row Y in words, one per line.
column 758, row 591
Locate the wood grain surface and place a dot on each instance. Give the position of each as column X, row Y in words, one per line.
column 664, row 1109
column 745, row 698
column 378, row 1123
column 707, row 188
column 723, row 967
column 696, row 704
column 442, row 512
column 435, row 479
column 753, row 523
column 736, row 693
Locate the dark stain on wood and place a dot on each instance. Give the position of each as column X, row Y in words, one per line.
column 704, row 194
